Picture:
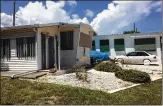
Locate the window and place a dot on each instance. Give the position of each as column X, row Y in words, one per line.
column 142, row 54
column 25, row 47
column 161, row 42
column 93, row 45
column 67, row 40
column 5, row 49
column 104, row 45
column 145, row 44
column 132, row 54
column 119, row 45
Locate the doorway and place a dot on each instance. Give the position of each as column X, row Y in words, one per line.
column 51, row 52
column 43, row 50
column 56, row 51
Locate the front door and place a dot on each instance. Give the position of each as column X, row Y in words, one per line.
column 43, row 50
column 51, row 51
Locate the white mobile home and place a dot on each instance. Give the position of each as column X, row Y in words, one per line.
column 120, row 44
column 44, row 46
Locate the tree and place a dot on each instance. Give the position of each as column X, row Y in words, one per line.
column 130, row 32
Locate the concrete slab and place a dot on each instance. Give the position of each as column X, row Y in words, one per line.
column 63, row 71
column 9, row 73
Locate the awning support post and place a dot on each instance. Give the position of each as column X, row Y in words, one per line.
column 59, row 45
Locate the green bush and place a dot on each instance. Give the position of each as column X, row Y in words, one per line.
column 113, row 60
column 133, row 76
column 81, row 73
column 107, row 66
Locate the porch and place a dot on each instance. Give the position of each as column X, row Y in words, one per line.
column 39, row 47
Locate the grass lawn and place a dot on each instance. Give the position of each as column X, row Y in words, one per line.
column 17, row 91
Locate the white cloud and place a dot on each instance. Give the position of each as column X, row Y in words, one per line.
column 159, row 9
column 113, row 19
column 120, row 14
column 36, row 12
column 76, row 19
column 6, row 20
column 89, row 13
column 72, row 2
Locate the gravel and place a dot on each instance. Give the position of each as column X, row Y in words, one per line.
column 104, row 81
column 155, row 72
column 97, row 80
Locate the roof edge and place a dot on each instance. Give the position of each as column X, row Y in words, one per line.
column 37, row 26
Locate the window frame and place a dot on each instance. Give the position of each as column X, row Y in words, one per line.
column 132, row 52
column 5, row 51
column 142, row 55
column 107, row 46
column 26, row 47
column 93, row 45
column 66, row 40
column 119, row 44
column 145, row 42
column 161, row 42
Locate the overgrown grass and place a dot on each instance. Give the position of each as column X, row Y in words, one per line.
column 25, row 92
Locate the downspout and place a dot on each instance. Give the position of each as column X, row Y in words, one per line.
column 27, row 72
column 36, row 31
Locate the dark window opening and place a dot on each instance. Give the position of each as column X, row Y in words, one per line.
column 161, row 42
column 93, row 45
column 143, row 41
column 119, row 44
column 25, row 47
column 142, row 54
column 5, row 49
column 145, row 44
column 67, row 40
column 132, row 54
column 104, row 45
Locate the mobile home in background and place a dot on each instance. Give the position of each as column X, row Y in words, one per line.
column 121, row 44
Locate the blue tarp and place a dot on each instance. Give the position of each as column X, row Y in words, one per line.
column 99, row 56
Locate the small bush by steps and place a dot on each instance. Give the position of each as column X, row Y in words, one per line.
column 81, row 73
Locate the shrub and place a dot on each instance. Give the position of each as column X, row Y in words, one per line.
column 81, row 73
column 107, row 66
column 133, row 76
column 113, row 60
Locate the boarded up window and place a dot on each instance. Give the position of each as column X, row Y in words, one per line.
column 85, row 40
column 104, row 45
column 25, row 47
column 67, row 40
column 119, row 45
column 93, row 45
column 5, row 49
column 145, row 44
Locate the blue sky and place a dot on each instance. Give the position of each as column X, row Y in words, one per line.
column 150, row 19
